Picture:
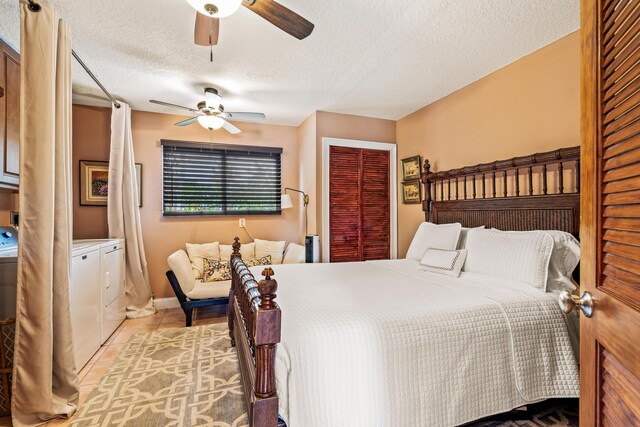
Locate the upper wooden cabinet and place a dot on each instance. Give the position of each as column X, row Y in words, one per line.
column 9, row 117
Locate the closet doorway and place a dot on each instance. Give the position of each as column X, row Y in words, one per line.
column 359, row 200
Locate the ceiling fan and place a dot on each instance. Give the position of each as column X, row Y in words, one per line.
column 211, row 114
column 207, row 27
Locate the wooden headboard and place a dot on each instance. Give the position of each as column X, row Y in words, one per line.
column 510, row 194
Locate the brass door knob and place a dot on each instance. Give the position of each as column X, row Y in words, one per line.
column 569, row 302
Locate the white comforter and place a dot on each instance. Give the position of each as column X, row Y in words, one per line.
column 383, row 344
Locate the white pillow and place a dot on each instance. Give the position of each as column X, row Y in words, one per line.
column 443, row 262
column 462, row 240
column 198, row 252
column 269, row 247
column 518, row 255
column 564, row 259
column 295, row 254
column 181, row 266
column 247, row 250
column 438, row 236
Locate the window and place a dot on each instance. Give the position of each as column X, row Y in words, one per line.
column 216, row 179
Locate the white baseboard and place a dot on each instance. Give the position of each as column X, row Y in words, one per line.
column 164, row 303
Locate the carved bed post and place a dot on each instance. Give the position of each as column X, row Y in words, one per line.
column 427, row 188
column 234, row 280
column 255, row 322
column 266, row 351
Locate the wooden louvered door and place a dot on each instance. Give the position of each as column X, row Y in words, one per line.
column 359, row 207
column 344, row 203
column 374, row 205
column 610, row 211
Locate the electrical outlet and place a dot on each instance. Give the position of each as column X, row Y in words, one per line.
column 242, row 223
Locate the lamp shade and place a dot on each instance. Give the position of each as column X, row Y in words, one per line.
column 285, row 202
column 211, row 122
column 216, row 8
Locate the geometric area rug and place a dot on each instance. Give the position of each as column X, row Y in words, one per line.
column 172, row 377
column 190, row 377
column 552, row 412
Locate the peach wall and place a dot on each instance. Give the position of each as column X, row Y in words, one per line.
column 307, row 155
column 529, row 106
column 91, row 139
column 163, row 235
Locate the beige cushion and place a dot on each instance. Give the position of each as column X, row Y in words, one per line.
column 206, row 290
column 295, row 254
column 181, row 266
column 247, row 250
column 197, row 254
column 269, row 247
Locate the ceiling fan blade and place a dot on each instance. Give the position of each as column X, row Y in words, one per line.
column 231, row 128
column 283, row 18
column 207, row 30
column 244, row 117
column 167, row 104
column 187, row 122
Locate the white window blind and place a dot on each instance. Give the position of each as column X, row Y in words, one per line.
column 217, row 179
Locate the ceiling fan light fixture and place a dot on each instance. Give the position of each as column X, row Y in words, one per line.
column 211, row 122
column 213, row 99
column 216, row 8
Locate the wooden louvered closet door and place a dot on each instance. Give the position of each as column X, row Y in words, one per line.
column 610, row 211
column 344, row 203
column 359, row 208
column 374, row 205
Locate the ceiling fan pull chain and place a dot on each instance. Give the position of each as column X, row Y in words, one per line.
column 211, row 46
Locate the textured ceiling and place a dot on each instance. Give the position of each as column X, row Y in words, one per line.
column 378, row 58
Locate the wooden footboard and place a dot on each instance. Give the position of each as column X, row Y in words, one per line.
column 254, row 328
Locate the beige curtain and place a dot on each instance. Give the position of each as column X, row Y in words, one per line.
column 124, row 213
column 45, row 383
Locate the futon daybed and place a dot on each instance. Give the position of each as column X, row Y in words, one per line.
column 186, row 270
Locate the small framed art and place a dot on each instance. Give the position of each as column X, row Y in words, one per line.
column 411, row 192
column 94, row 182
column 411, row 168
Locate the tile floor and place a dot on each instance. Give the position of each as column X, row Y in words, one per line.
column 90, row 375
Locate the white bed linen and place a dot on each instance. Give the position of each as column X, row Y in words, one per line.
column 383, row 344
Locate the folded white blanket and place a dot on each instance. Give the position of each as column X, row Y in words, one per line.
column 383, row 344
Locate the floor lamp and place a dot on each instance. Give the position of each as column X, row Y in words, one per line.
column 286, row 203
column 311, row 243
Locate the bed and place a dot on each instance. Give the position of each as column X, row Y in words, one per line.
column 380, row 343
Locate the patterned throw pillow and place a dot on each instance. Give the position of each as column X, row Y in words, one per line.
column 216, row 270
column 265, row 260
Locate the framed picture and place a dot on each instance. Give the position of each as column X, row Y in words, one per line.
column 94, row 182
column 411, row 192
column 411, row 168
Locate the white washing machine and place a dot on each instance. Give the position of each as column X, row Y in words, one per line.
column 8, row 271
